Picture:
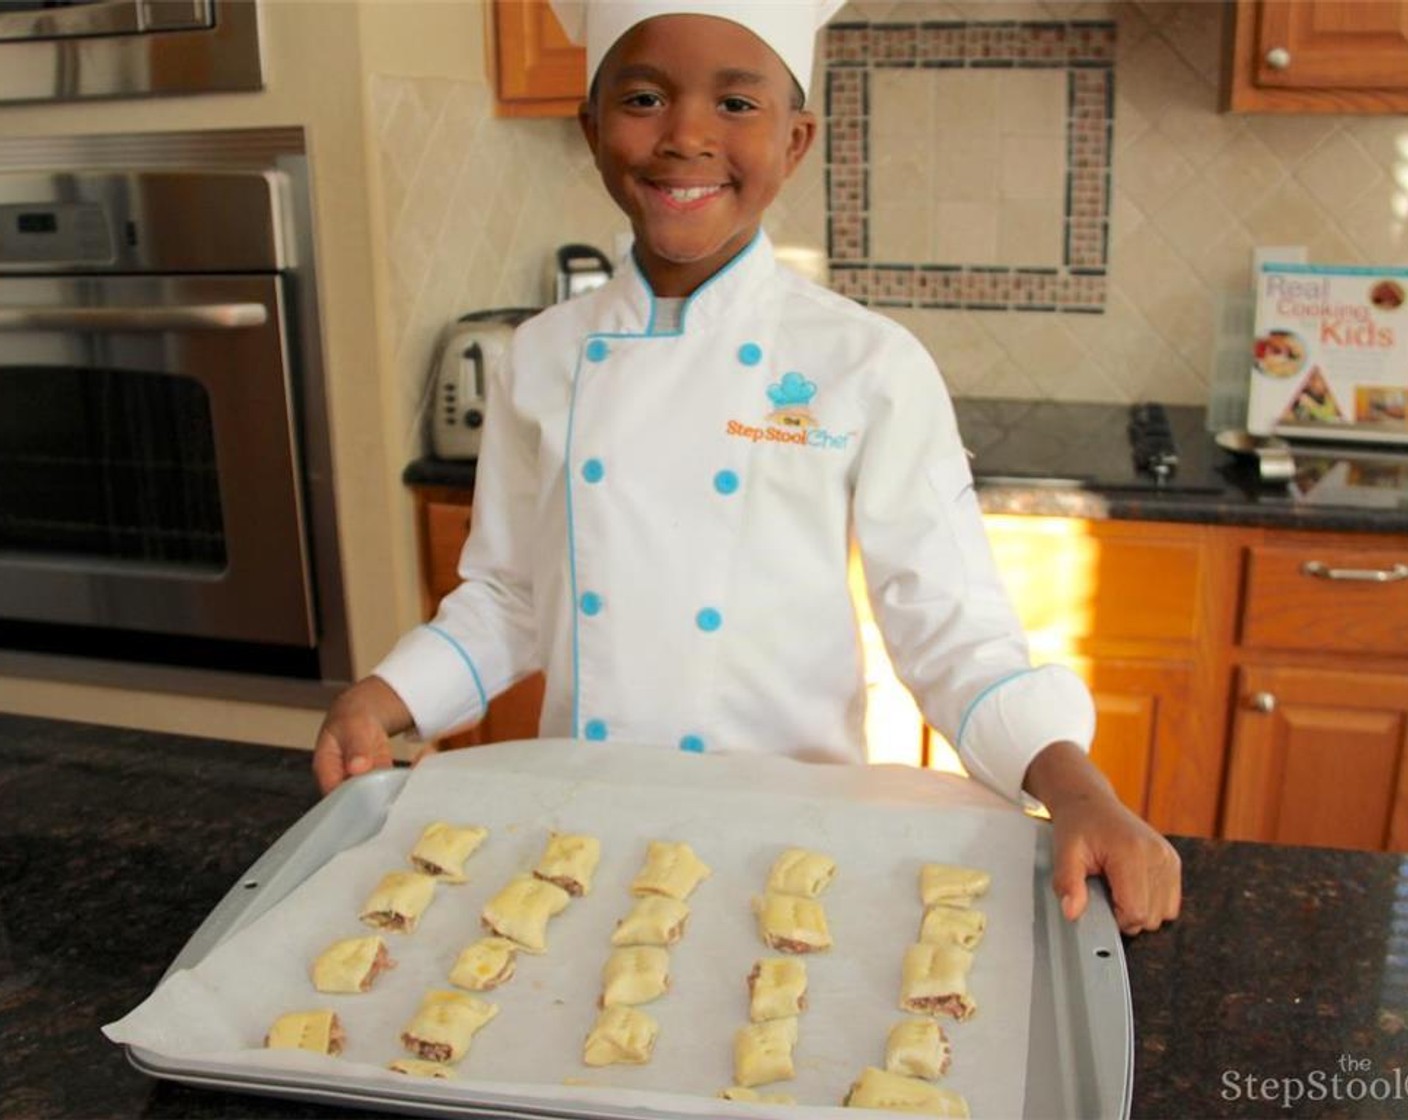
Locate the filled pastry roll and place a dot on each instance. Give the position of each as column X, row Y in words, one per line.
column 739, row 1093
column 953, row 925
column 948, row 883
column 791, row 924
column 934, row 981
column 798, row 871
column 520, row 911
column 445, row 1024
column 918, row 1048
column 351, row 965
column 654, row 919
column 317, row 1031
column 877, row 1089
column 777, row 989
column 762, row 1052
column 485, row 965
column 399, row 901
column 635, row 975
column 443, row 848
column 621, row 1036
column 672, row 869
column 569, row 862
column 418, row 1067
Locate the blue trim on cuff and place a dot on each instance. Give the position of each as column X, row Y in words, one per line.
column 973, row 703
column 468, row 661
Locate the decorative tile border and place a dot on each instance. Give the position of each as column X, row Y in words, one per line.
column 1084, row 49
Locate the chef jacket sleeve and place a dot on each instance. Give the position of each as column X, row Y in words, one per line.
column 936, row 593
column 483, row 637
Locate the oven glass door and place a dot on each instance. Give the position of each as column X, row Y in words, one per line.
column 149, row 474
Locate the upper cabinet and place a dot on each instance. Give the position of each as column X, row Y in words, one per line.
column 538, row 71
column 1318, row 56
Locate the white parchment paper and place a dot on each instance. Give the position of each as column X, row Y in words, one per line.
column 738, row 812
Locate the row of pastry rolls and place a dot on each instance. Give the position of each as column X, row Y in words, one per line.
column 637, row 970
column 515, row 919
column 933, row 982
column 443, row 1026
column 791, row 920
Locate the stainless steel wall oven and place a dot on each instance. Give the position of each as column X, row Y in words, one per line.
column 165, row 491
column 66, row 50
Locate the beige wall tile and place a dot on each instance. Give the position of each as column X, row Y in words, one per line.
column 1338, row 172
column 1152, row 170
column 1034, row 167
column 1030, row 233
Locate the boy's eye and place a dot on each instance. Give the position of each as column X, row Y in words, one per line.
column 642, row 99
column 736, row 105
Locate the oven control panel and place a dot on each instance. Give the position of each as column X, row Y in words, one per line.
column 62, row 233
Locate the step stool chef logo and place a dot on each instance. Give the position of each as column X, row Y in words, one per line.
column 791, row 420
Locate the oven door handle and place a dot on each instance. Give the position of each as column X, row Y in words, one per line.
column 193, row 317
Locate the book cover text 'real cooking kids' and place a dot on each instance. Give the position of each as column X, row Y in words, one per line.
column 1330, row 357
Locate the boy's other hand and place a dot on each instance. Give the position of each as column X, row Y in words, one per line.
column 356, row 733
column 1093, row 833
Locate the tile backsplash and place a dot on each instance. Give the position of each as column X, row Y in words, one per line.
column 1045, row 193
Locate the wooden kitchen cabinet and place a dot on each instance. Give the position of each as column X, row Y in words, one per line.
column 442, row 526
column 1317, row 757
column 1132, row 607
column 1320, row 713
column 1317, row 56
column 538, row 71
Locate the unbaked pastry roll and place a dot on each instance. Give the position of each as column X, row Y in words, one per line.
column 672, row 869
column 777, row 989
column 654, row 919
column 762, row 1052
column 520, row 911
column 485, row 964
column 443, row 848
column 635, row 975
column 953, row 925
column 569, row 862
column 791, row 924
column 951, row 884
column 918, row 1048
column 351, row 965
column 418, row 1067
column 319, row 1032
column 399, row 901
column 934, row 981
column 877, row 1089
column 445, row 1024
column 621, row 1036
column 802, row 872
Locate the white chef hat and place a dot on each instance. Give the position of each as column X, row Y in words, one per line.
column 789, row 27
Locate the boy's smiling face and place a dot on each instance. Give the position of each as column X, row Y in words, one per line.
column 694, row 131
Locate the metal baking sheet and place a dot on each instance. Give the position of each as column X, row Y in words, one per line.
column 1079, row 1059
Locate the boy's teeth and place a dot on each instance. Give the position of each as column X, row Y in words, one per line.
column 689, row 194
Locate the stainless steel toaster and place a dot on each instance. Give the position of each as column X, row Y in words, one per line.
column 469, row 351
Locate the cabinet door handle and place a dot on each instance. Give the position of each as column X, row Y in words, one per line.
column 1262, row 701
column 1355, row 575
column 1278, row 58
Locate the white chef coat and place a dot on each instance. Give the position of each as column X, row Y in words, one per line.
column 661, row 525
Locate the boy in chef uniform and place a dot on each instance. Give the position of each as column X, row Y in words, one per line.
column 674, row 463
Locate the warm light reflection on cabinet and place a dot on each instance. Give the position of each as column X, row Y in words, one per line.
column 1051, row 570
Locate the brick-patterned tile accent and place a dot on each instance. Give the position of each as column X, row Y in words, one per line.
column 1084, row 49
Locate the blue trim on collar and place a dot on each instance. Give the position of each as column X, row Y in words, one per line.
column 468, row 661
column 983, row 695
column 689, row 300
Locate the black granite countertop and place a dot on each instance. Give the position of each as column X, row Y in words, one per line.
column 1288, row 963
column 1073, row 460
